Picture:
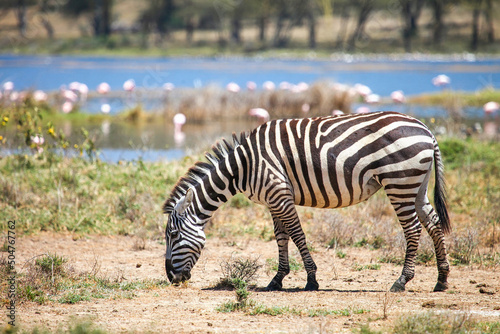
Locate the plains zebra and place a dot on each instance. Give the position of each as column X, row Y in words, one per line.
column 325, row 162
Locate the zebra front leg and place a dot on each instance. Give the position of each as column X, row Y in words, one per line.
column 282, row 239
column 412, row 230
column 290, row 220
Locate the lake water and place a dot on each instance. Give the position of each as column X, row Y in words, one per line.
column 157, row 142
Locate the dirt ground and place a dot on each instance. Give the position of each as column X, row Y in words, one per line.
column 192, row 308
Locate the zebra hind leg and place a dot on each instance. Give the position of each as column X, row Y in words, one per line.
column 282, row 239
column 412, row 229
column 430, row 220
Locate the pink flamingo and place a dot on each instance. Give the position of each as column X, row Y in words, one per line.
column 362, row 90
column 268, row 85
column 441, row 80
column 233, row 87
column 129, row 85
column 491, row 107
column 67, row 107
column 8, row 87
column 103, row 88
column 372, row 98
column 39, row 96
column 261, row 114
column 398, row 96
column 179, row 136
column 251, row 86
column 337, row 112
column 305, row 108
column 362, row 110
column 168, row 86
column 105, row 108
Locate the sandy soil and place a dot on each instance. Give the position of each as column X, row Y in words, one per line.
column 191, row 309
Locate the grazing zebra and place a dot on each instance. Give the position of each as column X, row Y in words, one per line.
column 324, row 162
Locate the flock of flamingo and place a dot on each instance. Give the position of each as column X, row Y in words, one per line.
column 77, row 92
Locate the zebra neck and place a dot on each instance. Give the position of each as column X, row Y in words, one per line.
column 216, row 187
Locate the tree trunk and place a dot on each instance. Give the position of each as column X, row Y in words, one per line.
column 364, row 13
column 489, row 21
column 410, row 10
column 235, row 30
column 21, row 17
column 475, row 26
column 189, row 30
column 167, row 8
column 344, row 21
column 438, row 26
column 312, row 31
column 262, row 28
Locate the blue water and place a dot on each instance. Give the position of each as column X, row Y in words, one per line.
column 382, row 75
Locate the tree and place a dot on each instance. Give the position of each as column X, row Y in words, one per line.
column 101, row 13
column 364, row 8
column 410, row 11
column 476, row 12
column 488, row 13
column 438, row 10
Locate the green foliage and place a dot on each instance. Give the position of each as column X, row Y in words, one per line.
column 52, row 264
column 371, row 266
column 341, row 254
column 295, row 265
column 431, row 322
column 238, row 270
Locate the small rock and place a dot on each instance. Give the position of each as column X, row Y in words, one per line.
column 138, row 265
column 472, row 281
column 210, row 324
column 481, row 285
column 115, row 310
column 486, row 291
column 36, row 312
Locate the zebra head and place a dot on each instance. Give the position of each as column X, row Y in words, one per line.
column 185, row 239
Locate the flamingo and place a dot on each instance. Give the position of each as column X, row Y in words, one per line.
column 337, row 112
column 362, row 110
column 441, row 80
column 268, row 85
column 261, row 114
column 306, row 107
column 103, row 88
column 179, row 120
column 8, row 86
column 285, row 85
column 251, row 86
column 129, row 85
column 372, row 98
column 83, row 89
column 491, row 107
column 67, row 107
column 69, row 95
column 168, row 86
column 362, row 90
column 233, row 87
column 39, row 96
column 105, row 108
column 398, row 96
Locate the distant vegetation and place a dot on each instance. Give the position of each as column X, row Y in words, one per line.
column 179, row 27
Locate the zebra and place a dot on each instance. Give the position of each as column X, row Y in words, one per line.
column 323, row 162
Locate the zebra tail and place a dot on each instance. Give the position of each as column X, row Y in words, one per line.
column 440, row 191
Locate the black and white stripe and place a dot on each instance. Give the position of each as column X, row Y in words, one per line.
column 326, row 162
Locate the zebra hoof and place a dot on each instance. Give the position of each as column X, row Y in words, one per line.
column 312, row 286
column 397, row 287
column 274, row 286
column 440, row 286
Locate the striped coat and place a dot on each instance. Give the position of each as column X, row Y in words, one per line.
column 325, row 162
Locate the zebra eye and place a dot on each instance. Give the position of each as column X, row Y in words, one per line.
column 174, row 233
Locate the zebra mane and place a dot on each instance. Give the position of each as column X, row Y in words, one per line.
column 219, row 151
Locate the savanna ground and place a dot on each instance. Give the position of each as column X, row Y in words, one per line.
column 89, row 254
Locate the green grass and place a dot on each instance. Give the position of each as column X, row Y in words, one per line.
column 295, row 265
column 447, row 97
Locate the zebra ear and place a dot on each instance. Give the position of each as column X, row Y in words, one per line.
column 184, row 202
